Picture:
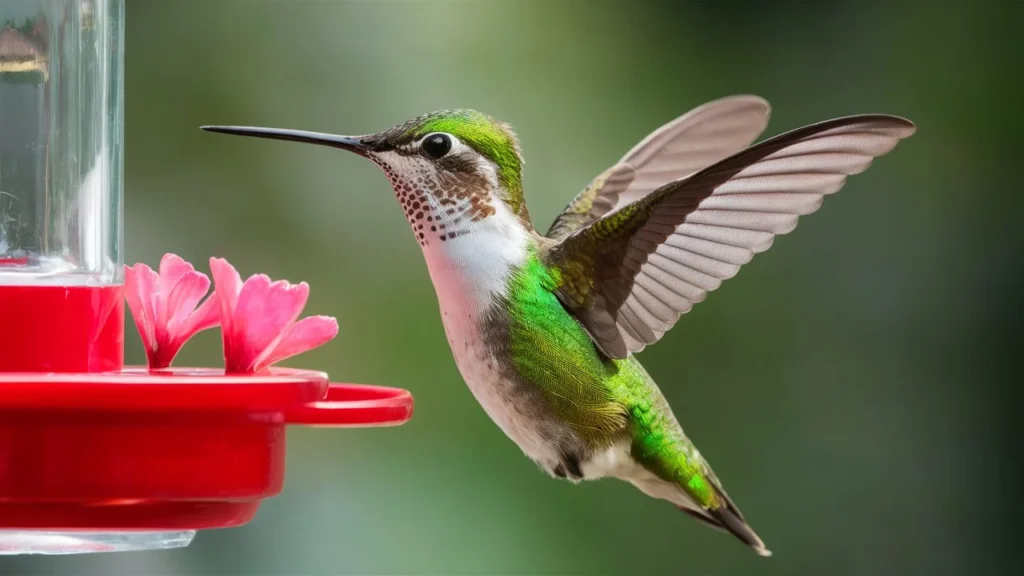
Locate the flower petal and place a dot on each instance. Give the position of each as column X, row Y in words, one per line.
column 264, row 312
column 227, row 284
column 239, row 354
column 183, row 299
column 258, row 319
column 302, row 336
column 205, row 317
column 141, row 284
column 172, row 269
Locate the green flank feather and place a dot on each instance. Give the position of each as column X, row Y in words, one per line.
column 602, row 399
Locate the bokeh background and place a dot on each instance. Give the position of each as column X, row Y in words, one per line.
column 850, row 387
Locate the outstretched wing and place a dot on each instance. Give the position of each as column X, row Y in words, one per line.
column 631, row 274
column 685, row 145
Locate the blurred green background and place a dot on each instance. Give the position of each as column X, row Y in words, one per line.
column 849, row 387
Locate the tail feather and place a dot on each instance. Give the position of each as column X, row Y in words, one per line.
column 703, row 517
column 725, row 517
column 729, row 519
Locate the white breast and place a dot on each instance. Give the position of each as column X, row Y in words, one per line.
column 468, row 272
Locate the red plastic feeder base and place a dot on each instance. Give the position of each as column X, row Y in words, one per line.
column 139, row 460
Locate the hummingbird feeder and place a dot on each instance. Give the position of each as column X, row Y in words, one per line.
column 97, row 456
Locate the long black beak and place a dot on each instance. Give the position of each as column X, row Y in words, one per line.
column 351, row 143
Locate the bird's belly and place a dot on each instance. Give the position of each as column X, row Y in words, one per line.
column 512, row 405
column 468, row 272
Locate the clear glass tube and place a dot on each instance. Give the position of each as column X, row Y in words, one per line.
column 61, row 134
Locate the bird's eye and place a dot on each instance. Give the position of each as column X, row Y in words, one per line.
column 437, row 145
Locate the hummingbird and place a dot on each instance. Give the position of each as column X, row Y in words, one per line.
column 545, row 329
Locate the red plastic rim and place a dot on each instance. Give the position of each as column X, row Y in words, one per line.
column 178, row 449
column 353, row 405
column 175, row 389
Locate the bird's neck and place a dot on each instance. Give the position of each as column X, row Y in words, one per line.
column 474, row 267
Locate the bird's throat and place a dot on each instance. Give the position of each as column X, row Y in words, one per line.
column 472, row 270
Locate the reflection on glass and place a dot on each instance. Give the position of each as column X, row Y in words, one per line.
column 60, row 142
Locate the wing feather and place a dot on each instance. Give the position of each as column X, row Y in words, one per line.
column 681, row 147
column 649, row 261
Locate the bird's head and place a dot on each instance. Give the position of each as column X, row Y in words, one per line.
column 449, row 169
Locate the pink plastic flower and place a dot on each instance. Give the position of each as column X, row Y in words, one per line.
column 164, row 306
column 258, row 319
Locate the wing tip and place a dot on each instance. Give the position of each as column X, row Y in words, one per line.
column 745, row 101
column 743, row 98
column 904, row 127
column 909, row 128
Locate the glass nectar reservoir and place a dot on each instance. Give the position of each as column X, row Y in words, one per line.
column 61, row 135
